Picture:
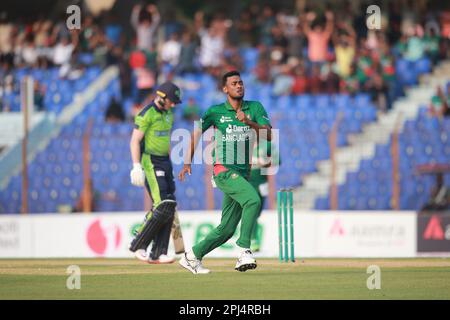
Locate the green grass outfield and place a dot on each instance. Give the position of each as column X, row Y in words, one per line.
column 426, row 278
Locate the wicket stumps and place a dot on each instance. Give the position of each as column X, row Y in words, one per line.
column 285, row 225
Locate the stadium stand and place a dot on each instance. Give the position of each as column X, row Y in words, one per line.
column 304, row 117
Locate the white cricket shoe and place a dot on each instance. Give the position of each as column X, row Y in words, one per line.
column 195, row 266
column 245, row 261
column 141, row 254
column 162, row 259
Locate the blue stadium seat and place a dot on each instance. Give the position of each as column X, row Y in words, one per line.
column 422, row 66
column 322, row 101
column 250, row 57
column 304, row 101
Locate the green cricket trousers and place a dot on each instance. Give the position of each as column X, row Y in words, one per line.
column 240, row 200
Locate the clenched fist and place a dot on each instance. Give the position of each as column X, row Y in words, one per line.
column 240, row 115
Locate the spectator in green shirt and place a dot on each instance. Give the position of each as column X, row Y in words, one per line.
column 440, row 102
column 431, row 42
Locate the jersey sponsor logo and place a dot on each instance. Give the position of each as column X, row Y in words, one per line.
column 236, row 133
column 237, row 129
column 240, row 128
column 224, row 119
column 167, row 118
column 162, row 133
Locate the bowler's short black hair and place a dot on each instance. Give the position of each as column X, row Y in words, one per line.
column 229, row 74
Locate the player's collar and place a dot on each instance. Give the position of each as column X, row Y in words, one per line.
column 157, row 108
column 230, row 107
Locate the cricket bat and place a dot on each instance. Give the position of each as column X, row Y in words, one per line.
column 177, row 236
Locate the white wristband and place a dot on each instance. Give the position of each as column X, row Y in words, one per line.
column 137, row 165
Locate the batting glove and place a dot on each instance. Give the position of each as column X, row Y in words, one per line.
column 137, row 175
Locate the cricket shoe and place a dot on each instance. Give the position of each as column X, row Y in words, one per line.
column 195, row 266
column 245, row 261
column 163, row 259
column 141, row 254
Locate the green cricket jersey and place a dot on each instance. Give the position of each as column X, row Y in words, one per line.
column 234, row 139
column 156, row 124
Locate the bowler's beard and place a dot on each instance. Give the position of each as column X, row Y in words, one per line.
column 237, row 98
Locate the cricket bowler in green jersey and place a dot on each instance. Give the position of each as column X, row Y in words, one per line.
column 238, row 124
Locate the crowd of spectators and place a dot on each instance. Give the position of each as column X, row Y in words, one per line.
column 314, row 50
column 44, row 44
column 326, row 51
